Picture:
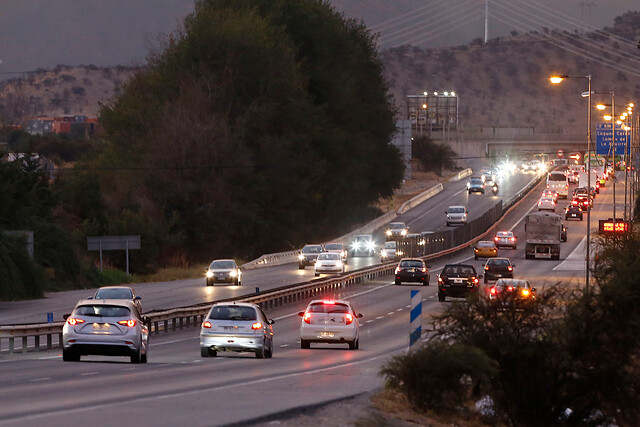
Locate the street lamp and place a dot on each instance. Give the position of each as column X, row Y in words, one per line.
column 558, row 80
column 612, row 148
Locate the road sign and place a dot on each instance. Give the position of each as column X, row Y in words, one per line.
column 113, row 243
column 604, row 139
column 560, row 153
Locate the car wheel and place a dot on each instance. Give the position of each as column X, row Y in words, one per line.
column 397, row 282
column 300, row 267
column 475, row 257
column 70, row 356
column 135, row 358
column 260, row 352
column 442, row 297
column 208, row 283
column 239, row 283
column 305, row 344
column 269, row 351
column 143, row 358
column 353, row 344
column 448, row 224
column 317, row 274
column 204, row 352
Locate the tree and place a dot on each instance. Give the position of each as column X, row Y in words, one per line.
column 258, row 139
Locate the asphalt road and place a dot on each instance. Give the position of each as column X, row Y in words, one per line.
column 177, row 386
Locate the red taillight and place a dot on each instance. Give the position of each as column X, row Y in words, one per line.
column 307, row 318
column 397, row 270
column 496, row 238
column 206, row 325
column 510, row 288
column 510, row 268
column 486, row 267
column 130, row 323
column 328, row 301
column 547, row 185
column 440, row 280
column 513, row 239
column 424, row 270
column 256, row 326
column 493, row 290
column 74, row 321
column 348, row 318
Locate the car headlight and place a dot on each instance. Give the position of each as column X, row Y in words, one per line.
column 388, row 232
column 233, row 273
column 383, row 252
column 209, row 273
column 404, row 232
column 300, row 257
column 371, row 245
column 400, row 253
column 356, row 245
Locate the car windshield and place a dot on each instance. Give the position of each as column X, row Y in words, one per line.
column 411, row 263
column 322, row 307
column 499, row 262
column 557, row 176
column 114, row 293
column 455, row 210
column 363, row 238
column 232, row 312
column 515, row 283
column 390, row 245
column 333, row 247
column 396, row 225
column 329, row 255
column 504, row 234
column 315, row 249
column 476, row 181
column 485, row 244
column 103, row 310
column 215, row 265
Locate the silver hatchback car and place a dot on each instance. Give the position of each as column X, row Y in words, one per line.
column 238, row 327
column 106, row 327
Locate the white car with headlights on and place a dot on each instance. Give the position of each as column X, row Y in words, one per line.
column 330, row 321
column 237, row 327
column 223, row 271
column 329, row 262
column 456, row 215
column 396, row 230
column 105, row 327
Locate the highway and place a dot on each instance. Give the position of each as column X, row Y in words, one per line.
column 158, row 296
column 178, row 386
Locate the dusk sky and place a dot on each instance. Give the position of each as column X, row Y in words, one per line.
column 44, row 33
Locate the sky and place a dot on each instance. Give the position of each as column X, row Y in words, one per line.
column 45, row 33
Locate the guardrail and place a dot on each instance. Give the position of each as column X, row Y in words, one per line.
column 47, row 336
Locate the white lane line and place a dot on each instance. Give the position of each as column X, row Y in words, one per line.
column 400, row 309
column 379, row 317
column 391, row 313
column 369, row 321
column 49, row 357
column 284, row 345
column 172, row 342
column 86, row 374
column 461, row 191
column 36, row 380
column 412, row 222
column 576, row 259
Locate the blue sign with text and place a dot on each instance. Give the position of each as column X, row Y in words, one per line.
column 603, row 139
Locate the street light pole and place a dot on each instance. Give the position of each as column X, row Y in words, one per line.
column 557, row 80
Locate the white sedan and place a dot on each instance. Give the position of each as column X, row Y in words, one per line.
column 330, row 321
column 546, row 204
column 329, row 262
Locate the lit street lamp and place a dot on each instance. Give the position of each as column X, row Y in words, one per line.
column 558, row 80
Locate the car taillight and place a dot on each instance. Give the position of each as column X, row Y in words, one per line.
column 486, row 267
column 329, row 302
column 256, row 326
column 510, row 268
column 130, row 323
column 475, row 280
column 74, row 321
column 525, row 292
column 513, row 239
column 206, row 325
column 424, row 270
column 493, row 290
column 348, row 318
column 397, row 270
column 510, row 288
column 307, row 318
column 440, row 280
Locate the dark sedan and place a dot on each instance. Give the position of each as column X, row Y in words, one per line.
column 573, row 212
column 458, row 281
column 412, row 270
column 497, row 268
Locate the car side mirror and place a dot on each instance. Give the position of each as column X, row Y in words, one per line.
column 138, row 298
column 428, row 266
column 301, row 313
column 66, row 316
column 513, row 265
column 359, row 316
column 533, row 289
column 270, row 322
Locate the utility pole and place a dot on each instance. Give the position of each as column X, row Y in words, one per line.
column 486, row 22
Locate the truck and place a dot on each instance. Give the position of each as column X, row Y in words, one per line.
column 543, row 235
column 584, row 177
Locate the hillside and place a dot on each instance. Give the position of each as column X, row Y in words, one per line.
column 504, row 83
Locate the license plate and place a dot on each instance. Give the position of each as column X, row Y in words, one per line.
column 412, row 270
column 574, row 215
column 326, row 334
column 457, row 280
column 543, row 256
column 98, row 326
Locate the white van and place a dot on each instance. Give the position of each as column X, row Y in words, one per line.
column 557, row 181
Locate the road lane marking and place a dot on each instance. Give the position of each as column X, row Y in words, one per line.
column 391, row 313
column 85, row 374
column 36, row 380
column 379, row 317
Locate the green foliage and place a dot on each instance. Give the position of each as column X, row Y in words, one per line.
column 245, row 142
column 20, row 277
column 109, row 277
column 433, row 156
column 441, row 377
